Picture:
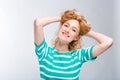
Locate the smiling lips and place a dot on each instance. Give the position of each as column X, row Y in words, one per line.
column 65, row 34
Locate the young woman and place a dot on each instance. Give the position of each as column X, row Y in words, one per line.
column 64, row 60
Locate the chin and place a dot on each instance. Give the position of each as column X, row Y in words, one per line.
column 65, row 40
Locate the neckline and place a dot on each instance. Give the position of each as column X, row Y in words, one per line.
column 63, row 53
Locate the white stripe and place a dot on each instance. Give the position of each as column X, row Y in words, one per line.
column 85, row 58
column 50, row 56
column 57, row 71
column 74, row 59
column 71, row 66
column 86, row 54
column 41, row 47
column 75, row 53
column 42, row 54
column 86, row 50
column 66, row 56
column 39, row 53
column 59, row 77
column 46, row 51
column 89, row 53
column 65, row 62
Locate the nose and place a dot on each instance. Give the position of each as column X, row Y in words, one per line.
column 67, row 30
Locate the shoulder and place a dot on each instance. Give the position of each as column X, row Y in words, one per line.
column 43, row 45
column 83, row 51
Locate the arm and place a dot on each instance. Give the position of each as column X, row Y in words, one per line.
column 104, row 42
column 38, row 27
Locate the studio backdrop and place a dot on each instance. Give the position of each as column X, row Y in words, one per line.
column 17, row 55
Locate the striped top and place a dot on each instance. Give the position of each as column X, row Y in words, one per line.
column 56, row 65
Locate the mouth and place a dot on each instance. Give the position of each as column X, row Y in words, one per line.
column 65, row 34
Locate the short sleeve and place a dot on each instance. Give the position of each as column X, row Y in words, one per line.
column 85, row 54
column 41, row 50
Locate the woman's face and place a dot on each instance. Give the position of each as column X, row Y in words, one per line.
column 69, row 31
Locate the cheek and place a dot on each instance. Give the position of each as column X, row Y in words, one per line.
column 74, row 35
column 63, row 28
column 60, row 29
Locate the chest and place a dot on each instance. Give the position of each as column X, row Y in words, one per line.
column 60, row 66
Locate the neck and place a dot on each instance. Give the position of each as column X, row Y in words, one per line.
column 61, row 47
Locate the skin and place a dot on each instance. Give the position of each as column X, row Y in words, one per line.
column 67, row 34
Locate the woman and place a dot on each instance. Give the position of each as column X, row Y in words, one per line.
column 64, row 60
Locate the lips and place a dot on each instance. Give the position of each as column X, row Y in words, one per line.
column 65, row 34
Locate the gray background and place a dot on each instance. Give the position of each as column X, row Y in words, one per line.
column 17, row 57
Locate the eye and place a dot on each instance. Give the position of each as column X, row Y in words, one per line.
column 66, row 25
column 73, row 30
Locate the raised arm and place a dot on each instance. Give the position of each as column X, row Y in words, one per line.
column 38, row 27
column 104, row 42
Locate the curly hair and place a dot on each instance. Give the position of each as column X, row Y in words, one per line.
column 84, row 27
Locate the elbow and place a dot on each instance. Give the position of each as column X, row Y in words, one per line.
column 109, row 42
column 37, row 22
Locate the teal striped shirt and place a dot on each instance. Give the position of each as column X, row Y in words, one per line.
column 56, row 65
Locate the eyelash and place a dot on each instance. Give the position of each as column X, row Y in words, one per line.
column 74, row 30
column 66, row 25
